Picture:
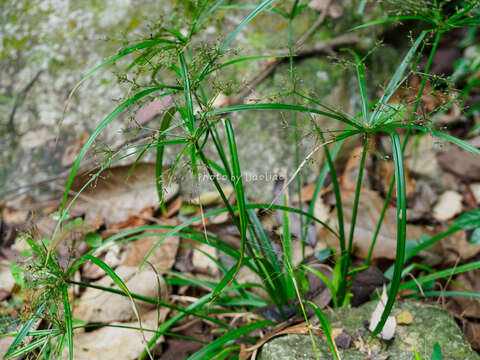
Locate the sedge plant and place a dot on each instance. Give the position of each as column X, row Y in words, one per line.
column 192, row 122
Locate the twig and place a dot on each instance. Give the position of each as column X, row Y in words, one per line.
column 18, row 98
column 323, row 47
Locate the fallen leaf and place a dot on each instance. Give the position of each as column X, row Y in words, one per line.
column 350, row 174
column 472, row 332
column 104, row 307
column 369, row 210
column 388, row 331
column 457, row 246
column 163, row 256
column 174, row 207
column 113, row 343
column 116, row 197
column 387, row 172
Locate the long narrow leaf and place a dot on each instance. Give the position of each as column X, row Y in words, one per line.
column 167, row 118
column 25, row 329
column 274, row 106
column 68, row 320
column 396, row 80
column 327, row 328
column 401, row 230
column 120, row 54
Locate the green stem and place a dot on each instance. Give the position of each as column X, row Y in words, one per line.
column 357, row 194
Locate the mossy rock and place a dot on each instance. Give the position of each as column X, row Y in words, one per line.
column 430, row 325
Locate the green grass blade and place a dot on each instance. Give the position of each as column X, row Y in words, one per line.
column 454, row 140
column 319, row 184
column 172, row 321
column 28, row 348
column 205, row 352
column 227, row 279
column 240, row 60
column 392, row 19
column 204, row 14
column 357, row 195
column 274, row 106
column 264, row 5
column 190, row 123
column 185, row 224
column 242, row 210
column 68, row 320
column 437, row 352
column 401, row 230
column 97, row 132
column 327, row 328
column 23, row 332
column 120, row 54
column 167, row 118
column 327, row 282
column 119, row 282
column 396, row 80
column 362, row 86
column 261, row 7
column 444, row 274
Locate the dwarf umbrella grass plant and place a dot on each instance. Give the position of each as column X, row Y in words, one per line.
column 192, row 122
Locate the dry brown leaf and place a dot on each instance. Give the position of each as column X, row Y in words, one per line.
column 116, row 197
column 350, row 174
column 112, row 343
column 174, row 207
column 103, row 307
column 387, row 172
column 369, row 209
column 162, row 258
column 457, row 246
column 469, row 308
column 472, row 332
